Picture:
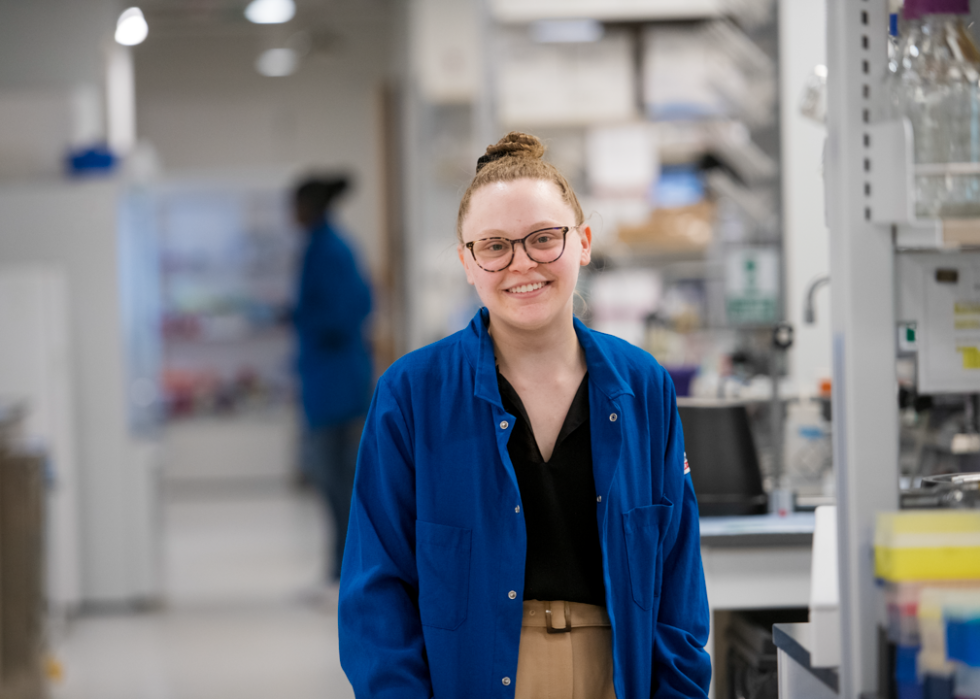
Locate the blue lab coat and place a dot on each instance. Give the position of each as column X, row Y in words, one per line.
column 333, row 362
column 436, row 544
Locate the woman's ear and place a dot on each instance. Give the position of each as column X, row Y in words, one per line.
column 585, row 233
column 461, row 251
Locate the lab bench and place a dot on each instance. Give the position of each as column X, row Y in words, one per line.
column 754, row 562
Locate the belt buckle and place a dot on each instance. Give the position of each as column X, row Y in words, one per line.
column 568, row 619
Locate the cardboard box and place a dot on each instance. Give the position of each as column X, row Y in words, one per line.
column 670, row 231
column 21, row 575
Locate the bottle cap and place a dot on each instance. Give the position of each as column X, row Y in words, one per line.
column 914, row 9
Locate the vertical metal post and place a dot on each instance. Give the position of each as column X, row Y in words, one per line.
column 411, row 172
column 485, row 129
column 776, row 422
column 863, row 318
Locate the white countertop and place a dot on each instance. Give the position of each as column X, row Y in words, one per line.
column 758, row 530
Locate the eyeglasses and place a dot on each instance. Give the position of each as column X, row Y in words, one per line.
column 541, row 246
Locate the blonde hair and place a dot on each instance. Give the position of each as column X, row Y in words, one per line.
column 516, row 156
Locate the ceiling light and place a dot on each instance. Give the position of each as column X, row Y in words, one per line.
column 131, row 27
column 566, row 31
column 270, row 11
column 276, row 63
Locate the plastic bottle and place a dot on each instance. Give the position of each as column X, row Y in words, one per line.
column 936, row 87
column 901, row 24
column 907, row 681
column 806, row 447
column 894, row 45
column 889, row 107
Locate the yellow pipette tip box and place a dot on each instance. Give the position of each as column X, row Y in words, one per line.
column 927, row 545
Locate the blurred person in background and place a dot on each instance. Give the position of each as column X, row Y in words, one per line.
column 334, row 362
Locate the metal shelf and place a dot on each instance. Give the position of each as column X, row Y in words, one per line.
column 519, row 11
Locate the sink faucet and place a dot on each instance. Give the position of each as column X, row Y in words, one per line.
column 809, row 310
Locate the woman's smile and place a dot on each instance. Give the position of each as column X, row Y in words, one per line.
column 527, row 288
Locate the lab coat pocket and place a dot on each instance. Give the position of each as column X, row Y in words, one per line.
column 442, row 555
column 645, row 528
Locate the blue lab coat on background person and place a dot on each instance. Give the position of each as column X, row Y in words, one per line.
column 333, row 301
column 335, row 372
column 431, row 594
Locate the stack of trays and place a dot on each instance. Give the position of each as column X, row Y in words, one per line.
column 929, row 565
column 928, row 545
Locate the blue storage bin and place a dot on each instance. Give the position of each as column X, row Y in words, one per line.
column 963, row 640
column 906, row 674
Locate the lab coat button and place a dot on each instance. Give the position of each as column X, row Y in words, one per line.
column 517, row 509
column 504, row 424
column 598, row 498
column 506, row 681
column 512, row 594
column 613, row 417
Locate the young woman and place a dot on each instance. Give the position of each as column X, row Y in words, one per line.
column 523, row 524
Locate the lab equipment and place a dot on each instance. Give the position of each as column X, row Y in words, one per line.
column 723, row 457
column 939, row 318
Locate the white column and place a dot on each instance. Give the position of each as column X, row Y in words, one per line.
column 863, row 321
column 120, row 99
column 806, row 244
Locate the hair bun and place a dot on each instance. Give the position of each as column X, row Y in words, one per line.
column 514, row 157
column 517, row 144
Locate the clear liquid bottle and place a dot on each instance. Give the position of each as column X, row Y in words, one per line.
column 890, row 107
column 902, row 24
column 894, row 43
column 936, row 87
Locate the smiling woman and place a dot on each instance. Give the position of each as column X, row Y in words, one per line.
column 524, row 478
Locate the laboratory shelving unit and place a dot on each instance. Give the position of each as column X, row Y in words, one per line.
column 867, row 187
column 450, row 116
column 703, row 270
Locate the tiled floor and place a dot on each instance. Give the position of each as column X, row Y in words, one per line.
column 236, row 623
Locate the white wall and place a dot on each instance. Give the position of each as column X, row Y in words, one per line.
column 52, row 80
column 35, row 367
column 74, row 227
column 206, row 110
column 54, row 44
column 803, row 44
column 52, row 75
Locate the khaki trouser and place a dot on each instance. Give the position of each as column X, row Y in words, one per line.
column 576, row 664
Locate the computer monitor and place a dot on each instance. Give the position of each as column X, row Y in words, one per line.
column 722, row 456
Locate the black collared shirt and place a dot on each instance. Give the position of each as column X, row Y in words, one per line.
column 564, row 558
